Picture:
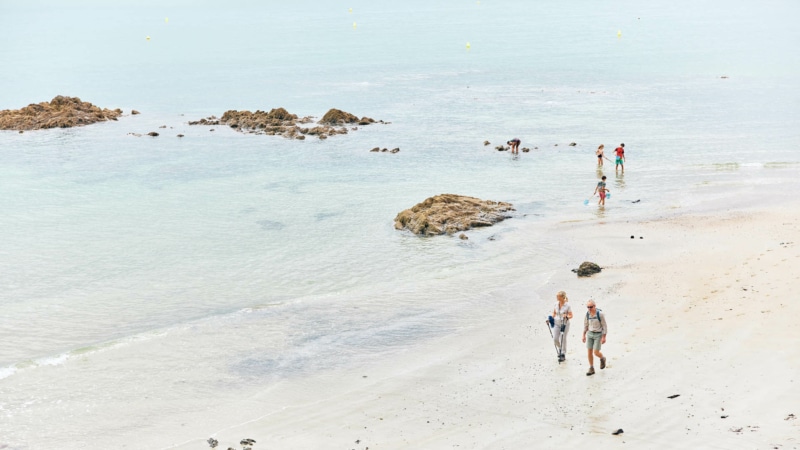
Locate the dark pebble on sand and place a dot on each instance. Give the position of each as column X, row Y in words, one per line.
column 631, row 236
column 674, row 396
column 619, row 431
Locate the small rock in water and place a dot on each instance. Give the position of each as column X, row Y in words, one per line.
column 376, row 149
column 674, row 396
column 632, row 237
column 384, row 150
column 163, row 126
column 134, row 112
column 525, row 149
column 619, row 431
column 152, row 133
column 486, row 143
column 180, row 135
column 395, row 150
column 572, row 144
column 213, row 442
column 463, row 237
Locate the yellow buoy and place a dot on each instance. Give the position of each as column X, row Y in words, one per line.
column 148, row 38
column 354, row 25
column 350, row 10
column 468, row 46
column 619, row 33
column 166, row 19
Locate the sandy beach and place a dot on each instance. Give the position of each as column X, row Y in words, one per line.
column 701, row 354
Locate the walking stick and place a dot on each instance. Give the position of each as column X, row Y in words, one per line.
column 552, row 338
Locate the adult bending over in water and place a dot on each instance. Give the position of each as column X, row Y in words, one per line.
column 514, row 144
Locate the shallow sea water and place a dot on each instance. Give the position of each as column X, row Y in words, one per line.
column 128, row 263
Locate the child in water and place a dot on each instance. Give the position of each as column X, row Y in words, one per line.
column 601, row 189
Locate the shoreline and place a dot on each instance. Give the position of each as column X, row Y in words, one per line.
column 499, row 386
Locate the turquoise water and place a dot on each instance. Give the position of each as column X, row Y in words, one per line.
column 125, row 261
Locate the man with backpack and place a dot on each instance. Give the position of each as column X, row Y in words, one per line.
column 594, row 334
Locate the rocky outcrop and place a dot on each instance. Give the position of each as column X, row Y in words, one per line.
column 280, row 122
column 338, row 117
column 61, row 112
column 587, row 269
column 450, row 213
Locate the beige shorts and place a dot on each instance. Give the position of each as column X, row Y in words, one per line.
column 593, row 340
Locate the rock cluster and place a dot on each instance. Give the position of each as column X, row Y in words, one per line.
column 281, row 122
column 450, row 213
column 587, row 269
column 384, row 150
column 61, row 112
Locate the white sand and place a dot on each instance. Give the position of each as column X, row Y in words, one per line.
column 703, row 307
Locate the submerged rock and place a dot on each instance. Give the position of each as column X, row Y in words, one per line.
column 450, row 213
column 60, row 112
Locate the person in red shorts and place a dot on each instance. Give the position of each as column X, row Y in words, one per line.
column 601, row 189
column 620, row 152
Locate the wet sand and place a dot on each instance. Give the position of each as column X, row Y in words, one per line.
column 702, row 353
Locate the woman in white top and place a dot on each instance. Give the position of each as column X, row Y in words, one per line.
column 562, row 312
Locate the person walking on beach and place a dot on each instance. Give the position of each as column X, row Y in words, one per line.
column 594, row 334
column 620, row 152
column 601, row 189
column 562, row 313
column 600, row 155
column 514, row 143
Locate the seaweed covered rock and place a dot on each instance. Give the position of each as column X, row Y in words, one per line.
column 450, row 213
column 61, row 112
column 587, row 269
column 338, row 117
